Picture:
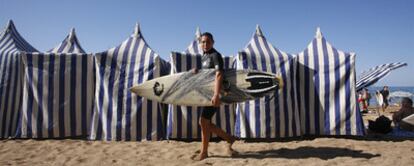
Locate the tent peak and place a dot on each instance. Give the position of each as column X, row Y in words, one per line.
column 10, row 26
column 137, row 30
column 198, row 32
column 72, row 30
column 72, row 34
column 318, row 33
column 259, row 30
column 10, row 23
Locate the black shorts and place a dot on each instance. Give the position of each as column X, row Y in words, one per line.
column 208, row 112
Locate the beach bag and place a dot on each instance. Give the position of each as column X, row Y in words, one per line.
column 381, row 125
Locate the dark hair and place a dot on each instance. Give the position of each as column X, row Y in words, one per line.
column 381, row 125
column 209, row 35
column 407, row 100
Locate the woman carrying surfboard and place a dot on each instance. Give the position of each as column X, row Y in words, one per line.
column 212, row 59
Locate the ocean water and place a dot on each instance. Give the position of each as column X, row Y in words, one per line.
column 373, row 89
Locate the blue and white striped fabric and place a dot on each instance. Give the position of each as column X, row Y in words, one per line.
column 266, row 117
column 371, row 76
column 326, row 90
column 118, row 113
column 181, row 118
column 69, row 45
column 58, row 92
column 182, row 121
column 11, row 47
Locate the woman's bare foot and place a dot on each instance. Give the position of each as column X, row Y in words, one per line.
column 200, row 157
column 230, row 150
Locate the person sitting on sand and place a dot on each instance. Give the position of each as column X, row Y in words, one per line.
column 406, row 110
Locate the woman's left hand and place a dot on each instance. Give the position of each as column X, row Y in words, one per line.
column 215, row 100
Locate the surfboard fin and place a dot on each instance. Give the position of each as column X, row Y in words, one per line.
column 280, row 81
column 262, row 84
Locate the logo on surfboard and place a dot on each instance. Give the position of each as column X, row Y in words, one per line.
column 158, row 88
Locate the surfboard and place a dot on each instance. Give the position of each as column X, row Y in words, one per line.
column 197, row 89
column 409, row 119
column 380, row 99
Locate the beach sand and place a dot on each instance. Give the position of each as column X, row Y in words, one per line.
column 370, row 150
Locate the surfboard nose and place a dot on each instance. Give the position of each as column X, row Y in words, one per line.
column 136, row 89
column 144, row 90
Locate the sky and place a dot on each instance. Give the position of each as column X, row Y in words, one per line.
column 378, row 31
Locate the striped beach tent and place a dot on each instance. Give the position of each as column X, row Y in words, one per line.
column 69, row 45
column 371, row 76
column 182, row 122
column 12, row 45
column 326, row 90
column 58, row 91
column 119, row 114
column 268, row 117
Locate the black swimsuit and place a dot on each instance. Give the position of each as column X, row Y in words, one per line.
column 211, row 60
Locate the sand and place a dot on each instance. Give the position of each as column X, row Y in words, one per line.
column 370, row 150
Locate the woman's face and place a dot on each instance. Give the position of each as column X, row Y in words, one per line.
column 206, row 43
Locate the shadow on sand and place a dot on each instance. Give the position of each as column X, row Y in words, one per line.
column 323, row 153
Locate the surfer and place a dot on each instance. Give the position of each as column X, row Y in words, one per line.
column 212, row 59
column 385, row 93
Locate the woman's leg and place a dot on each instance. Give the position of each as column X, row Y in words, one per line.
column 230, row 139
column 205, row 137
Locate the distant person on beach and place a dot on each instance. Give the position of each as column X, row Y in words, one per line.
column 405, row 111
column 362, row 102
column 367, row 96
column 385, row 94
column 212, row 59
column 360, row 99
